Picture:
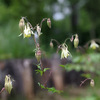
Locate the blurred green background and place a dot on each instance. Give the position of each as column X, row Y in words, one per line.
column 67, row 16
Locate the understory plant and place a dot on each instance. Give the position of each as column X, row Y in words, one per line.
column 27, row 31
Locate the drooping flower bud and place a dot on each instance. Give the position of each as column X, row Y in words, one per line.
column 49, row 22
column 51, row 44
column 38, row 55
column 39, row 30
column 71, row 39
column 94, row 45
column 8, row 84
column 92, row 83
column 76, row 41
column 22, row 25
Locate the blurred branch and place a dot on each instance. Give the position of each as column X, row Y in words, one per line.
column 2, row 90
column 82, row 82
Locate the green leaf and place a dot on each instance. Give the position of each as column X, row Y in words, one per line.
column 53, row 90
column 45, row 69
column 62, row 65
column 41, row 85
column 38, row 66
column 86, row 75
column 39, row 71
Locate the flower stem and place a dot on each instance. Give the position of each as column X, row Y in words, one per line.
column 55, row 41
column 66, row 40
column 42, row 21
column 2, row 90
column 82, row 82
column 47, row 79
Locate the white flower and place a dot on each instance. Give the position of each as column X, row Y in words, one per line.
column 65, row 53
column 94, row 45
column 27, row 31
column 39, row 30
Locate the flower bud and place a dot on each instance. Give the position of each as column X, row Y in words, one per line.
column 39, row 30
column 71, row 39
column 51, row 44
column 38, row 55
column 8, row 84
column 21, row 25
column 76, row 41
column 49, row 22
column 92, row 83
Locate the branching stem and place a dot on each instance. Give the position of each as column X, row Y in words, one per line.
column 82, row 82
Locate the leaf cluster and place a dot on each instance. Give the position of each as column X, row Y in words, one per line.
column 40, row 71
column 52, row 89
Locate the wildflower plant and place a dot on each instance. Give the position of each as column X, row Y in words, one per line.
column 63, row 47
column 27, row 31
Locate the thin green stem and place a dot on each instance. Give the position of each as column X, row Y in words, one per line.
column 35, row 41
column 55, row 41
column 47, row 79
column 42, row 21
column 41, row 65
column 66, row 40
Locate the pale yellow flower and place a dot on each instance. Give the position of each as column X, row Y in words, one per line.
column 94, row 45
column 76, row 41
column 64, row 53
column 27, row 31
column 8, row 84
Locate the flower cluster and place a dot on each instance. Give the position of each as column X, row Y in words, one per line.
column 64, row 48
column 25, row 28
